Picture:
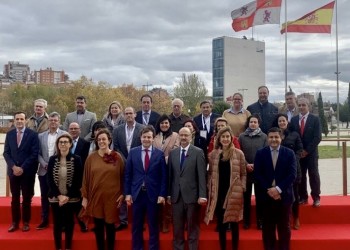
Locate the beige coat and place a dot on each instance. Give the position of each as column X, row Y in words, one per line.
column 233, row 204
column 171, row 142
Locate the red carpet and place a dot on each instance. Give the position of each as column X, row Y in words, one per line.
column 323, row 228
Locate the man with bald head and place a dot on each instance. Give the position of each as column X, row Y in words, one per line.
column 187, row 190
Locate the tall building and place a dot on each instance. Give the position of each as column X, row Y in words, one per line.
column 49, row 76
column 238, row 66
column 16, row 72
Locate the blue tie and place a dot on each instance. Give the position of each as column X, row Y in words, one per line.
column 183, row 156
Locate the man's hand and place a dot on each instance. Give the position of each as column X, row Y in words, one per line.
column 161, row 200
column 128, row 199
column 273, row 193
column 17, row 171
column 202, row 201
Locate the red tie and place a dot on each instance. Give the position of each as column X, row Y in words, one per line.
column 302, row 126
column 146, row 160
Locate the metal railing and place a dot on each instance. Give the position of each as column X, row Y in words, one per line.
column 344, row 166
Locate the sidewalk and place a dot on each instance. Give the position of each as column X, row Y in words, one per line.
column 330, row 172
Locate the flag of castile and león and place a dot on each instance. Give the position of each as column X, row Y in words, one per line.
column 258, row 12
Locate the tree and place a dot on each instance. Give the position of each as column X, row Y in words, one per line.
column 220, row 107
column 323, row 119
column 192, row 91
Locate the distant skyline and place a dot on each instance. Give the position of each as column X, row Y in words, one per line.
column 140, row 42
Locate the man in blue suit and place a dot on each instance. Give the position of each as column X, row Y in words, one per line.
column 145, row 187
column 21, row 155
column 146, row 115
column 275, row 172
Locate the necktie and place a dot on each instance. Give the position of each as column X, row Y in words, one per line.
column 183, row 156
column 146, row 160
column 19, row 137
column 146, row 118
column 302, row 125
column 74, row 146
column 274, row 157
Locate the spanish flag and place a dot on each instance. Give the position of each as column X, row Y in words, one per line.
column 317, row 21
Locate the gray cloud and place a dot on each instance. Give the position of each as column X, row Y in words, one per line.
column 129, row 41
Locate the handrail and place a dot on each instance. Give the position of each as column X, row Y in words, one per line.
column 344, row 166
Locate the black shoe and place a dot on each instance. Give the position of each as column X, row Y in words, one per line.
column 121, row 227
column 246, row 226
column 303, row 202
column 228, row 227
column 12, row 228
column 25, row 227
column 84, row 229
column 42, row 225
column 259, row 225
column 316, row 203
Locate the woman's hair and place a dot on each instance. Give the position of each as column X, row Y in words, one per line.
column 161, row 119
column 250, row 117
column 226, row 153
column 194, row 125
column 65, row 135
column 219, row 119
column 275, row 122
column 110, row 106
column 97, row 125
column 103, row 131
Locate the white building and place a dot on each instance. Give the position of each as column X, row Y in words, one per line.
column 238, row 66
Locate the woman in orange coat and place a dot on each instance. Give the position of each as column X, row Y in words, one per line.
column 226, row 184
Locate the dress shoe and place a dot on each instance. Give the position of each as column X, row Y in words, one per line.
column 84, row 229
column 296, row 224
column 316, row 203
column 303, row 202
column 121, row 227
column 13, row 227
column 259, row 225
column 246, row 226
column 42, row 225
column 25, row 227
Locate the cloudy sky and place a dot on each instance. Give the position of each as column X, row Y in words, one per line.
column 155, row 41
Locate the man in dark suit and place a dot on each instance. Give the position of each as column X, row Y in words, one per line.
column 84, row 118
column 146, row 180
column 275, row 172
column 187, row 190
column 205, row 123
column 81, row 148
column 126, row 137
column 21, row 155
column 266, row 110
column 146, row 116
column 47, row 141
column 309, row 128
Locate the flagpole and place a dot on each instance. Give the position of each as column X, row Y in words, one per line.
column 337, row 68
column 285, row 48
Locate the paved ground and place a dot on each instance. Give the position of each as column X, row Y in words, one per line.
column 330, row 172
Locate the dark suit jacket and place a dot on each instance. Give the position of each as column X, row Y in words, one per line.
column 26, row 155
column 155, row 179
column 119, row 138
column 312, row 133
column 284, row 174
column 82, row 149
column 152, row 119
column 191, row 180
column 199, row 122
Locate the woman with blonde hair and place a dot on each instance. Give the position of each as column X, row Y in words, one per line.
column 114, row 116
column 226, row 184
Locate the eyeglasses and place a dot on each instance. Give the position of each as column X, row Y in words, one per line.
column 63, row 142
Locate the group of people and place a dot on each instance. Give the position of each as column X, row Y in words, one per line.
column 165, row 168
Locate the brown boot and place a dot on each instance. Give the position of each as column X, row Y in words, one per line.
column 296, row 224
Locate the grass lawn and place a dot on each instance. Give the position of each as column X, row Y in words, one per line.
column 327, row 152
